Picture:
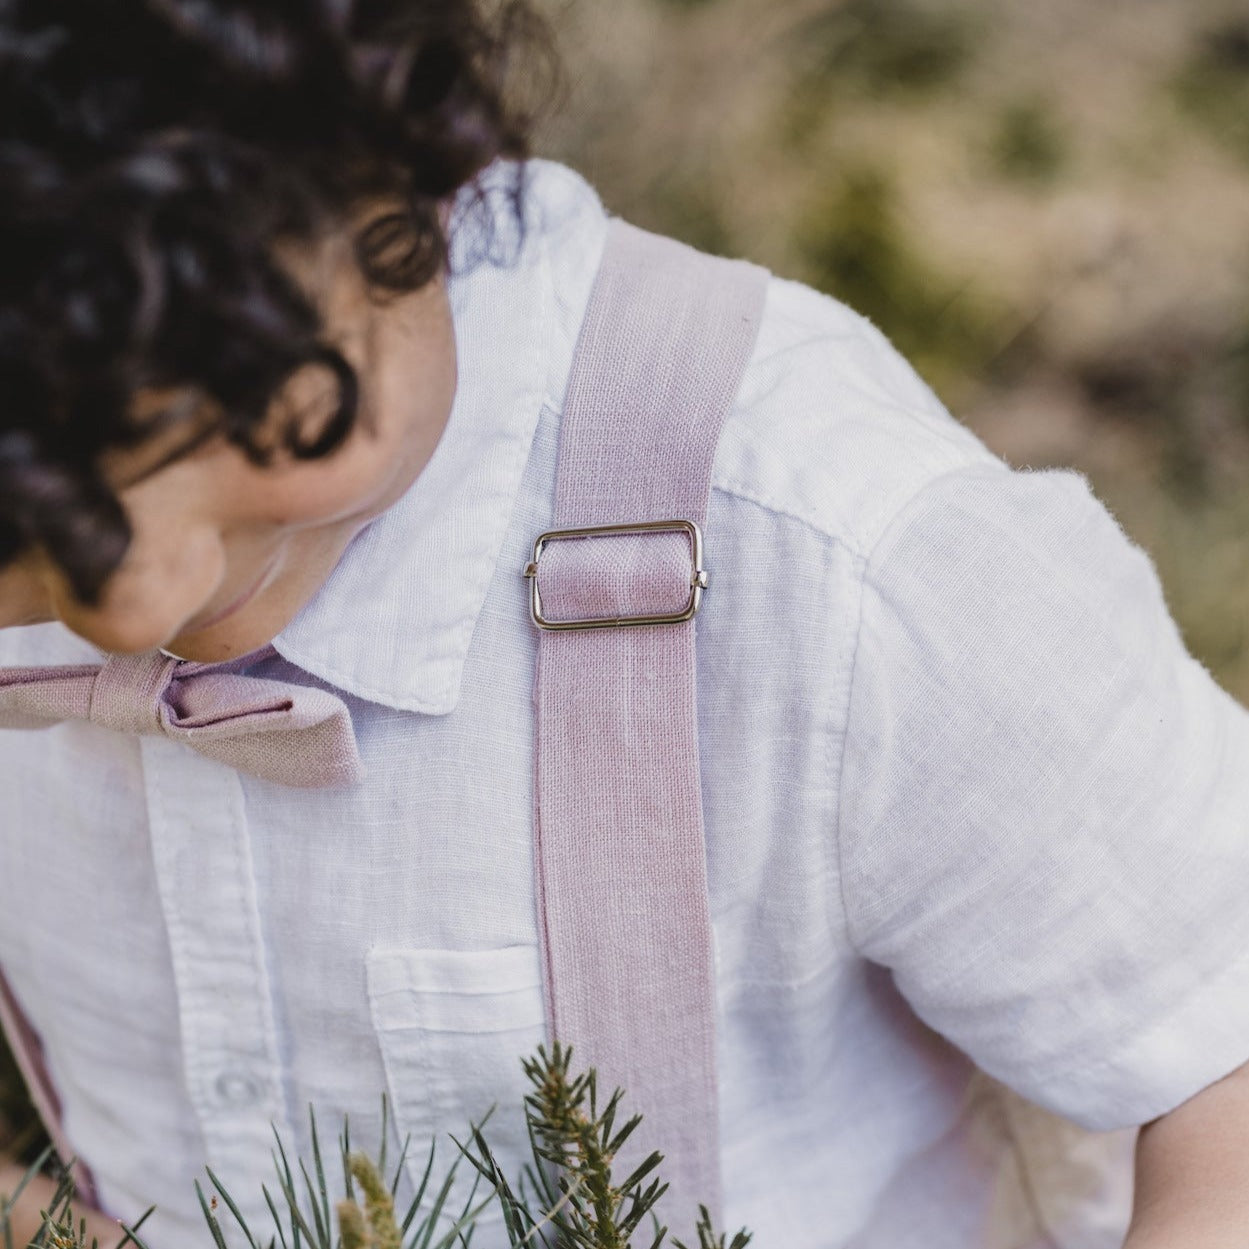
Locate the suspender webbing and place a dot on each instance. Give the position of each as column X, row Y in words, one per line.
column 621, row 864
column 28, row 1054
column 621, row 869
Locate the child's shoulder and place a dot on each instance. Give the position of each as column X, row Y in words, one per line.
column 832, row 425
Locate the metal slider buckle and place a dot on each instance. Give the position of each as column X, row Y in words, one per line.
column 698, row 575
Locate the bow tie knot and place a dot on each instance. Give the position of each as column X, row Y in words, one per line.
column 128, row 691
column 282, row 732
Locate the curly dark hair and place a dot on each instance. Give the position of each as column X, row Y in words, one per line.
column 153, row 152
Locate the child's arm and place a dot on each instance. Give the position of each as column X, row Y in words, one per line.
column 1043, row 830
column 1192, row 1172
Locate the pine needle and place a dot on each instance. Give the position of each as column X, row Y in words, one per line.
column 565, row 1197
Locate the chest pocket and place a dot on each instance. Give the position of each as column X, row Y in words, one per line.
column 453, row 1026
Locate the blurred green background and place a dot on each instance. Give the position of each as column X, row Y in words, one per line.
column 1044, row 203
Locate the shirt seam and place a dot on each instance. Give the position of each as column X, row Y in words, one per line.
column 850, row 542
column 837, row 779
column 739, row 490
column 832, row 541
column 900, row 513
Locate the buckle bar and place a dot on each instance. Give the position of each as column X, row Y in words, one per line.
column 698, row 575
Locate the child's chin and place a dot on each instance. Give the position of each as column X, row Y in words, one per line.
column 232, row 638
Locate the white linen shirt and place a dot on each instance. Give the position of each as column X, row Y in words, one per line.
column 968, row 803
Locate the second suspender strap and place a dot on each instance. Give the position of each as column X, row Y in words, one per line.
column 28, row 1054
column 621, row 860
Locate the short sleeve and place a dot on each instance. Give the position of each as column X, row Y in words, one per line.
column 1044, row 825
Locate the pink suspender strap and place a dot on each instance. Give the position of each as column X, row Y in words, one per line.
column 621, row 861
column 29, row 1056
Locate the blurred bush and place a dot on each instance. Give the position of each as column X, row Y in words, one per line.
column 852, row 240
column 1213, row 84
column 1045, row 206
column 883, row 47
column 1028, row 143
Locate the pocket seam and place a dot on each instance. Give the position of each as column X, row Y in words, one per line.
column 425, row 1102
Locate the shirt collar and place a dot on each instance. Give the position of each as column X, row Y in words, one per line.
column 393, row 622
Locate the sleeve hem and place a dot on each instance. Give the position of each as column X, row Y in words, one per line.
column 1161, row 1067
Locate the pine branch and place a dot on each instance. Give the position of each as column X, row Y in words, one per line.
column 60, row 1226
column 574, row 1146
column 566, row 1197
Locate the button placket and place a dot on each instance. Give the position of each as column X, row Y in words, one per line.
column 203, row 859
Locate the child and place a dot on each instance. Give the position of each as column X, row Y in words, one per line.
column 968, row 801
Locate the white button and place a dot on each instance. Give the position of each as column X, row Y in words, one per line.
column 236, row 1088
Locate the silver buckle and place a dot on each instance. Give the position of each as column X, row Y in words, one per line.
column 698, row 576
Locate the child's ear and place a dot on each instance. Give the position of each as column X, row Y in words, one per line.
column 305, row 417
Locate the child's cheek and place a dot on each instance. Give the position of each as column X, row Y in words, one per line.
column 167, row 577
column 23, row 598
column 318, row 493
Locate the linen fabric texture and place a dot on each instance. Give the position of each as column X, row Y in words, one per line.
column 967, row 800
column 280, row 732
column 622, row 879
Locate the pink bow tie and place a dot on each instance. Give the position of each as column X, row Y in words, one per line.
column 291, row 734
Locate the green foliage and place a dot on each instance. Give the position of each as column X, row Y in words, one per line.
column 889, row 47
column 1213, row 85
column 1239, row 360
column 853, row 246
column 573, row 1147
column 61, row 1228
column 301, row 1212
column 685, row 4
column 707, row 1238
column 352, row 1226
column 1028, row 145
column 902, row 51
column 375, row 1224
column 690, row 208
column 567, row 1198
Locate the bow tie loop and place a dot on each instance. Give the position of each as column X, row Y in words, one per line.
column 129, row 690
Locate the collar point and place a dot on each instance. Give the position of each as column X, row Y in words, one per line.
column 394, row 692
